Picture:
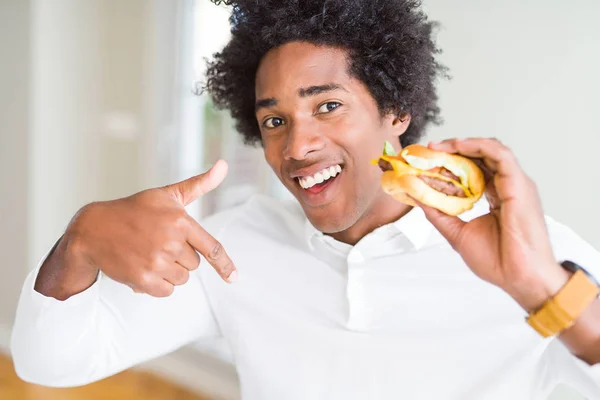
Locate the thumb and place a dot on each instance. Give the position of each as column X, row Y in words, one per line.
column 190, row 189
column 449, row 226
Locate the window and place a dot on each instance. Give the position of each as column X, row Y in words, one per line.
column 212, row 135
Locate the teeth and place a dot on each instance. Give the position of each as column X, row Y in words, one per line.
column 320, row 177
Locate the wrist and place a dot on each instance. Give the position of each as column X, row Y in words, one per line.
column 533, row 291
column 77, row 265
column 66, row 271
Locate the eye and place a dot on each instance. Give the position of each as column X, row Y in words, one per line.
column 328, row 107
column 273, row 122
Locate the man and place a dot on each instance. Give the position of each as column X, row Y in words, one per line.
column 346, row 293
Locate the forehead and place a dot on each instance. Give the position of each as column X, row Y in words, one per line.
column 299, row 64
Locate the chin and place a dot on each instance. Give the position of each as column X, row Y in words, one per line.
column 329, row 226
column 331, row 219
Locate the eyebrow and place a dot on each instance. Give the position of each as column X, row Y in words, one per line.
column 302, row 92
column 315, row 90
column 265, row 103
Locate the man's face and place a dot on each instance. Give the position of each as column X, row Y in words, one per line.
column 317, row 122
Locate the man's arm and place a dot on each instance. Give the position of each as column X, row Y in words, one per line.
column 583, row 338
column 120, row 287
column 99, row 329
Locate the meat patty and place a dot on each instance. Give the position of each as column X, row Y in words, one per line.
column 444, row 172
column 440, row 185
column 447, row 188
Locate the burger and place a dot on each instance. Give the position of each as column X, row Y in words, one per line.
column 447, row 182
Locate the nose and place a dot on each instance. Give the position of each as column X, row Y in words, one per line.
column 303, row 138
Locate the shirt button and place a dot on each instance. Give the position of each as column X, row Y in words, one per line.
column 355, row 256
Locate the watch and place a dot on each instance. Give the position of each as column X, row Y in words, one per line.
column 562, row 310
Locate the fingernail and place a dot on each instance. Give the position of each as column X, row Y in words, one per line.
column 233, row 276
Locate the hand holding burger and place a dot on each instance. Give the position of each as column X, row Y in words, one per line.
column 509, row 246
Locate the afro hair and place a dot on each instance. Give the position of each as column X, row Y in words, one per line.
column 389, row 45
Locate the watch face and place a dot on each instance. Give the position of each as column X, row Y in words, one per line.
column 573, row 267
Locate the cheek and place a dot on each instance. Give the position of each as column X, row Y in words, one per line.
column 364, row 142
column 272, row 156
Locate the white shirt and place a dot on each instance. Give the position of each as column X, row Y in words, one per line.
column 397, row 316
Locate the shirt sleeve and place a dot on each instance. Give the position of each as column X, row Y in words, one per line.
column 571, row 370
column 104, row 329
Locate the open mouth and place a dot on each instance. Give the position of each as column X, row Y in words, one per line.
column 319, row 181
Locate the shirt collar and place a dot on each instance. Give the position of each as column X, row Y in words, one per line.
column 414, row 226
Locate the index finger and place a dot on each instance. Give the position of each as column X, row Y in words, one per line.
column 212, row 250
column 492, row 152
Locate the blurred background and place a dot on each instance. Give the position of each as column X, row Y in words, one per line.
column 97, row 101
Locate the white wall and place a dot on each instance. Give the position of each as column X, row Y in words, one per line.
column 88, row 105
column 14, row 155
column 527, row 72
column 65, row 67
column 66, row 99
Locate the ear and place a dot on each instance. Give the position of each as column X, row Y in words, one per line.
column 398, row 123
column 401, row 123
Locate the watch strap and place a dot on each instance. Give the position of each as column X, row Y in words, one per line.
column 561, row 311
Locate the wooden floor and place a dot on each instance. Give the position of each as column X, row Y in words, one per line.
column 128, row 385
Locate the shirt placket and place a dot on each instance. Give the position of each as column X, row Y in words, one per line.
column 358, row 317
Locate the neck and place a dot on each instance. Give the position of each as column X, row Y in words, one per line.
column 382, row 212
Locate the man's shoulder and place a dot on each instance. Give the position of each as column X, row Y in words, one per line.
column 259, row 213
column 567, row 244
